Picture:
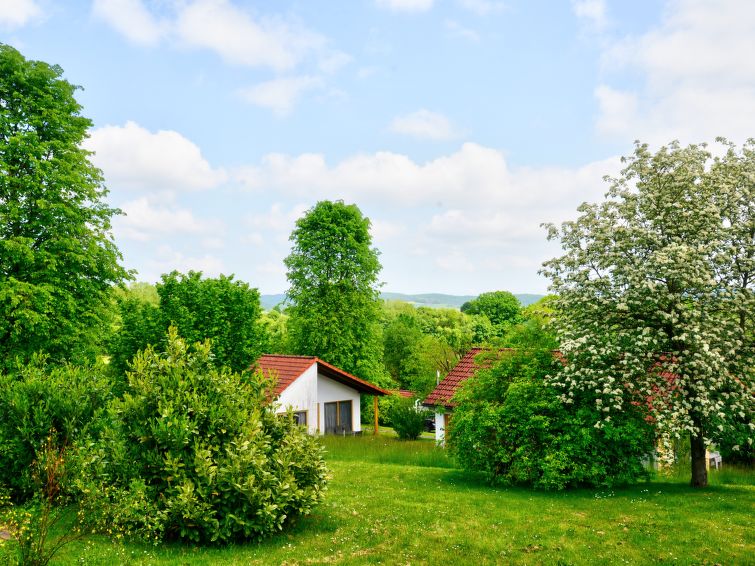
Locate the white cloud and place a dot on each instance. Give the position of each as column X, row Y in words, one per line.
column 592, row 13
column 423, row 124
column 455, row 29
column 17, row 13
column 145, row 222
column 131, row 19
column 276, row 219
column 455, row 260
column 384, row 230
column 618, row 111
column 454, row 212
column 475, row 178
column 698, row 80
column 134, row 158
column 238, row 38
column 274, row 225
column 167, row 259
column 333, row 61
column 482, row 7
column 280, row 95
column 405, row 5
column 237, row 35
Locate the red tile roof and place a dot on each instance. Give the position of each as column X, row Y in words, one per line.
column 287, row 369
column 463, row 370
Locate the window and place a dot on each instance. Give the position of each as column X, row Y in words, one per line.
column 300, row 417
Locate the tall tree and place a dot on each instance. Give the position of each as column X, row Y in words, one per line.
column 655, row 293
column 333, row 276
column 57, row 259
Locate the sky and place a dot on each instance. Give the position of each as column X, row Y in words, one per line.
column 457, row 126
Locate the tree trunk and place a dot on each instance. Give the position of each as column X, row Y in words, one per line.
column 699, row 470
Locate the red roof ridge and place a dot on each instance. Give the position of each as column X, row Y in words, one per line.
column 289, row 367
column 463, row 370
column 288, row 356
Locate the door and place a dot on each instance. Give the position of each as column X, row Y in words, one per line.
column 338, row 417
column 331, row 418
column 344, row 417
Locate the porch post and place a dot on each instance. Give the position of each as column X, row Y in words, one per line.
column 376, row 414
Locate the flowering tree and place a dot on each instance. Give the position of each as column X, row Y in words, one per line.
column 656, row 287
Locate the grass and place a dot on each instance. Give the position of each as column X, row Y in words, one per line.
column 393, row 502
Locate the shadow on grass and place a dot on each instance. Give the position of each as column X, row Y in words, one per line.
column 476, row 482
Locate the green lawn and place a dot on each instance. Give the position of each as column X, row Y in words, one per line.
column 394, row 502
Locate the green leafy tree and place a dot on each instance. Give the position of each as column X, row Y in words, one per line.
column 223, row 310
column 400, row 336
column 140, row 324
column 449, row 325
column 333, row 276
column 220, row 309
column 275, row 329
column 426, row 359
column 57, row 259
column 502, row 308
column 655, row 293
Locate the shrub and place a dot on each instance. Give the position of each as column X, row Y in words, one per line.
column 513, row 427
column 37, row 401
column 40, row 528
column 734, row 441
column 407, row 420
column 195, row 452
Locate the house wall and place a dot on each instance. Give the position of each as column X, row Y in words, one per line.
column 440, row 428
column 329, row 390
column 301, row 395
column 312, row 389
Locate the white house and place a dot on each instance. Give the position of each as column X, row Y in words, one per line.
column 323, row 397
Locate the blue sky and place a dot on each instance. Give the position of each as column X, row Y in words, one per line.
column 457, row 126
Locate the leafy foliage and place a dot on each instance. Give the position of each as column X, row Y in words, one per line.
column 333, row 276
column 656, row 293
column 274, row 325
column 196, row 453
column 39, row 529
column 419, row 342
column 39, row 403
column 502, row 308
column 512, row 426
column 57, row 259
column 406, row 419
column 141, row 324
column 220, row 309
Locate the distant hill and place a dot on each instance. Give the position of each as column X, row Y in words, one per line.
column 270, row 301
column 437, row 300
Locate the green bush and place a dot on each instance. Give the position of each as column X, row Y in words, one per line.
column 195, row 452
column 37, row 402
column 407, row 420
column 733, row 442
column 513, row 427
